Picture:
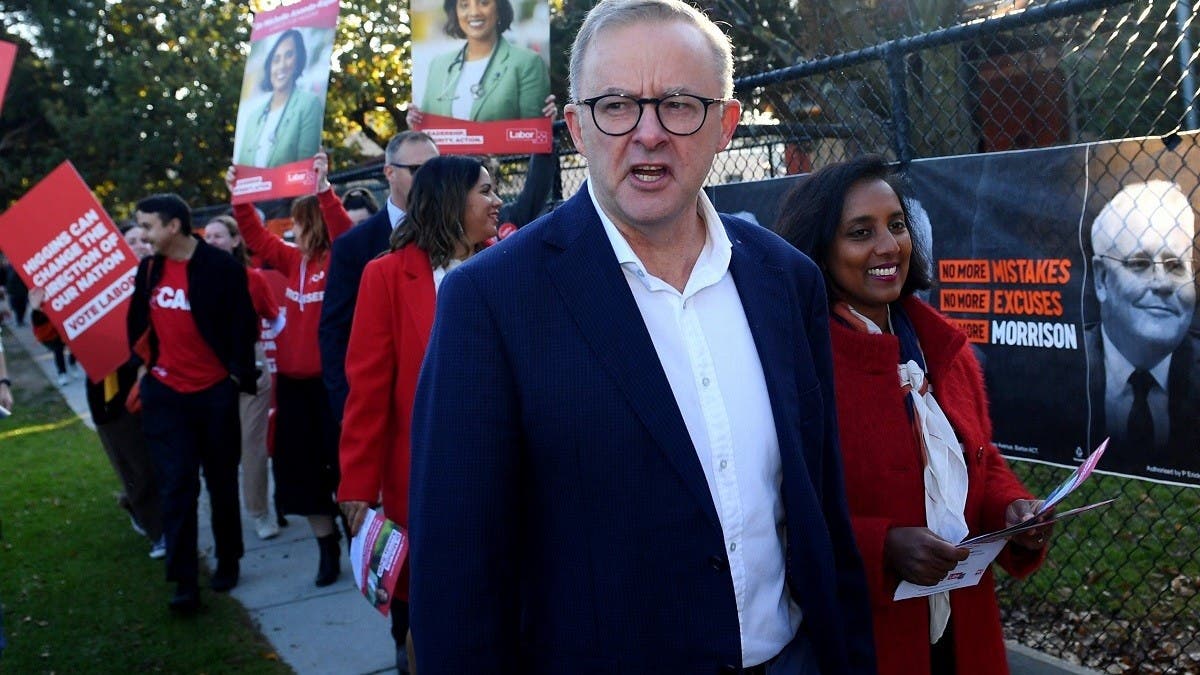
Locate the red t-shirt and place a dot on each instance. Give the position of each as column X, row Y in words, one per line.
column 185, row 361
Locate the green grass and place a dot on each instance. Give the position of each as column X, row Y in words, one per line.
column 1136, row 559
column 78, row 590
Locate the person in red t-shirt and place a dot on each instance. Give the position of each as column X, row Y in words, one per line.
column 191, row 307
column 305, row 463
column 222, row 232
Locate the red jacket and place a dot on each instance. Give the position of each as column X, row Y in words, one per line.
column 885, row 488
column 297, row 352
column 392, row 322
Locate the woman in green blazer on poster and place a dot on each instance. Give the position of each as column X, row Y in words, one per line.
column 286, row 128
column 488, row 78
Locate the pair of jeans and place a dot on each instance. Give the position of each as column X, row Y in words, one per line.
column 188, row 433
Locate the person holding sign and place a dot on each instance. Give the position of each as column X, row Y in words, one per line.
column 192, row 323
column 305, row 463
column 921, row 471
column 453, row 210
column 286, row 127
column 488, row 78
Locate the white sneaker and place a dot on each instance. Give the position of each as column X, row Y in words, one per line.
column 265, row 526
column 159, row 550
column 63, row 380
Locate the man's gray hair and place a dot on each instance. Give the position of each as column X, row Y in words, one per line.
column 618, row 13
column 400, row 139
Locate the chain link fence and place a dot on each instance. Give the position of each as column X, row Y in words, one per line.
column 825, row 80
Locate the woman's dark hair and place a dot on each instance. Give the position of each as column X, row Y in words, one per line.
column 240, row 253
column 436, row 203
column 313, row 237
column 504, row 18
column 360, row 198
column 811, row 212
column 301, row 58
column 166, row 206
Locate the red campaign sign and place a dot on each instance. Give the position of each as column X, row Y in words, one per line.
column 59, row 238
column 8, row 56
column 290, row 180
column 505, row 137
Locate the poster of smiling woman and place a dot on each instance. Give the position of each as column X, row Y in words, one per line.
column 481, row 74
column 282, row 104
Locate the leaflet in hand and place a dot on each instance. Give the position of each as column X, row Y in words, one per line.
column 1073, row 481
column 377, row 554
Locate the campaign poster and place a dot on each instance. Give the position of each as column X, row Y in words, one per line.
column 481, row 74
column 59, row 238
column 8, row 56
column 282, row 107
column 1073, row 271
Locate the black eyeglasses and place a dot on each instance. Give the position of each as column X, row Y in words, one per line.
column 1174, row 267
column 679, row 114
column 412, row 168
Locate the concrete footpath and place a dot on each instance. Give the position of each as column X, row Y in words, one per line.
column 333, row 629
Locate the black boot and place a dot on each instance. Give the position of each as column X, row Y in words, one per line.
column 328, row 569
column 226, row 576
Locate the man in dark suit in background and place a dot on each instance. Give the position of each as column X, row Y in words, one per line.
column 405, row 153
column 1144, row 373
column 624, row 449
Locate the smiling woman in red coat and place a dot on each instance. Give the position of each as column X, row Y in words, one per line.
column 921, row 471
column 453, row 210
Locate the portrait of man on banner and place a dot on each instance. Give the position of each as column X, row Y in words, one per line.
column 283, row 97
column 481, row 60
column 1141, row 329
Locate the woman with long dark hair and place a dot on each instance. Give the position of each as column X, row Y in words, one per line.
column 305, row 463
column 452, row 210
column 921, row 471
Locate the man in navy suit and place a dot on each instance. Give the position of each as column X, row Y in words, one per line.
column 624, row 449
column 405, row 153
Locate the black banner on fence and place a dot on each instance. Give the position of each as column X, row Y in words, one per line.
column 1073, row 270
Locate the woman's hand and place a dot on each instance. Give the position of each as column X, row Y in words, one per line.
column 1020, row 511
column 413, row 117
column 356, row 513
column 321, row 168
column 230, row 177
column 550, row 109
column 919, row 556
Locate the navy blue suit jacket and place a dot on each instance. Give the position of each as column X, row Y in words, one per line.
column 350, row 254
column 560, row 518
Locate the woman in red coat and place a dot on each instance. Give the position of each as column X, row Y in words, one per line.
column 921, row 471
column 304, row 463
column 453, row 210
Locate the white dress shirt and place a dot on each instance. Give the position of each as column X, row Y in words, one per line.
column 707, row 351
column 1118, row 393
column 395, row 213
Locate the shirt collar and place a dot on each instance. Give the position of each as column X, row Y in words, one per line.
column 1117, row 368
column 395, row 213
column 711, row 266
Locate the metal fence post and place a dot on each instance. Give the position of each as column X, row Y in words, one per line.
column 1183, row 16
column 897, row 72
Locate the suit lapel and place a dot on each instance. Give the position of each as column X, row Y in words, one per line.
column 595, row 292
column 417, row 289
column 764, row 294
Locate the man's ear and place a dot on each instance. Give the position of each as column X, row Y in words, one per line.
column 571, row 114
column 731, row 114
column 1100, row 278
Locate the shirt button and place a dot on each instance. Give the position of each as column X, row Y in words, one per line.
column 705, row 381
column 733, row 547
column 724, row 463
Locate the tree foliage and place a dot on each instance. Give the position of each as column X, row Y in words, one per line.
column 142, row 95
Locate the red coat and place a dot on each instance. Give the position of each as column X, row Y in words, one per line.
column 392, row 322
column 885, row 489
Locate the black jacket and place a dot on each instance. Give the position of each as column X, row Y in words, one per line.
column 221, row 306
